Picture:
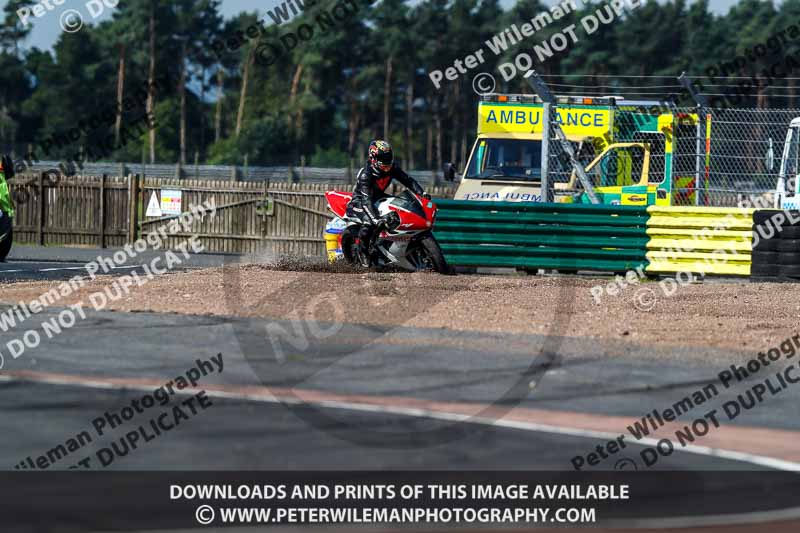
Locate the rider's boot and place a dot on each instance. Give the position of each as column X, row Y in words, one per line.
column 364, row 240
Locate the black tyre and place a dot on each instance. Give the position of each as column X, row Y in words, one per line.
column 789, row 258
column 764, row 270
column 763, row 216
column 789, row 245
column 767, row 279
column 761, row 257
column 792, row 219
column 425, row 254
column 790, row 271
column 765, row 245
column 5, row 244
column 350, row 245
column 790, row 232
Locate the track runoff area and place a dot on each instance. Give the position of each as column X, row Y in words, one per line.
column 321, row 397
column 256, row 369
column 478, row 428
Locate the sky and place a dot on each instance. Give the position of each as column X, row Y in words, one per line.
column 47, row 28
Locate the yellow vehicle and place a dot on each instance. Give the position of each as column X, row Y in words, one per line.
column 635, row 153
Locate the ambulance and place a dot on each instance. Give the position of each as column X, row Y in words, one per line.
column 634, row 152
column 789, row 174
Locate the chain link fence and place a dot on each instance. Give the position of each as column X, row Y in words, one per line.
column 341, row 176
column 739, row 166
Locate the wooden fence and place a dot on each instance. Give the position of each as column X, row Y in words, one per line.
column 86, row 210
column 262, row 218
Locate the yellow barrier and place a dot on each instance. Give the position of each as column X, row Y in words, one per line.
column 708, row 240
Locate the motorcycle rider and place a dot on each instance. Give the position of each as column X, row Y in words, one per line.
column 371, row 182
column 6, row 206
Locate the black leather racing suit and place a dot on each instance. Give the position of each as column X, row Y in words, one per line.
column 370, row 187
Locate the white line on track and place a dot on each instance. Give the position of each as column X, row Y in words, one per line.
column 265, row 396
column 55, row 269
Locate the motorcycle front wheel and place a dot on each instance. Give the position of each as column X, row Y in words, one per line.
column 425, row 254
column 351, row 250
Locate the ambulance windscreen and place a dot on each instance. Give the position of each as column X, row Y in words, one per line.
column 499, row 159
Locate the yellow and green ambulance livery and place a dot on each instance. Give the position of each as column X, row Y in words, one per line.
column 635, row 153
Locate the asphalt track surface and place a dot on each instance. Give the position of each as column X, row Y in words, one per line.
column 11, row 270
column 76, row 376
column 368, row 398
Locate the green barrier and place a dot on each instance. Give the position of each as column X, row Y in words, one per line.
column 534, row 207
column 539, row 235
column 589, row 241
column 600, row 219
column 543, row 262
column 489, row 227
column 539, row 251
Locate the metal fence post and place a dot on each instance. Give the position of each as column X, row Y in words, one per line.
column 133, row 213
column 103, row 211
column 701, row 103
column 699, row 145
column 42, row 202
column 545, row 165
column 543, row 91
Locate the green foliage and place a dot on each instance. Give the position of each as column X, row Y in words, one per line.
column 331, row 157
column 264, row 141
column 325, row 97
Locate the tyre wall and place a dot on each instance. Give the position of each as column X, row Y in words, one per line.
column 776, row 245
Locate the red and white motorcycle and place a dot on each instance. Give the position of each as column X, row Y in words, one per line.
column 403, row 238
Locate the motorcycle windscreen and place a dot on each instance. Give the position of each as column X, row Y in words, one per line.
column 408, row 202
